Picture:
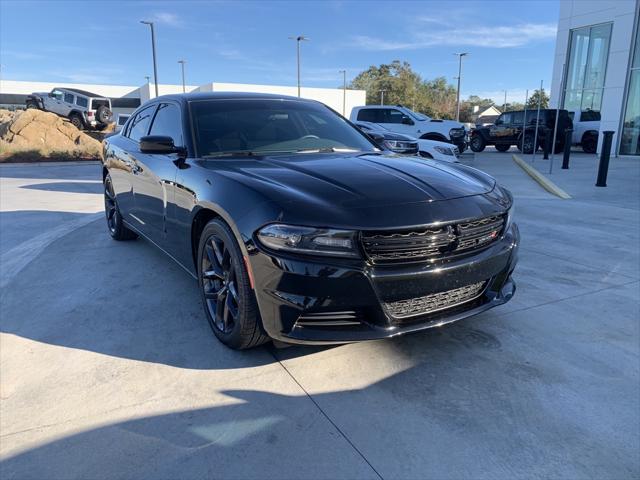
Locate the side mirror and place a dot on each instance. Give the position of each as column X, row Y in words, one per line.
column 407, row 121
column 158, row 144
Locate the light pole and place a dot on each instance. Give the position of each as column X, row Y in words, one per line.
column 344, row 91
column 147, row 78
column 460, row 55
column 153, row 50
column 182, row 62
column 298, row 39
column 504, row 105
column 382, row 97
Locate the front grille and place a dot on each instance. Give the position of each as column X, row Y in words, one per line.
column 426, row 243
column 456, row 152
column 435, row 301
column 330, row 319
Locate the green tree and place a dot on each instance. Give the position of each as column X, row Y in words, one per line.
column 537, row 95
column 399, row 82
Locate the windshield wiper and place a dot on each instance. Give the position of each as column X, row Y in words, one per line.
column 245, row 153
column 326, row 150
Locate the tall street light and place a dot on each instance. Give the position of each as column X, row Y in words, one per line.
column 382, row 97
column 182, row 62
column 460, row 55
column 344, row 91
column 298, row 39
column 504, row 105
column 153, row 49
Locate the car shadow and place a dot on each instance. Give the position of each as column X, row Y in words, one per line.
column 68, row 187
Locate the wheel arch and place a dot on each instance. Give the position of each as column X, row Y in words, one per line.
column 435, row 136
column 589, row 133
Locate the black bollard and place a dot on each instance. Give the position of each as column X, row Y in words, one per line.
column 605, row 153
column 548, row 138
column 567, row 148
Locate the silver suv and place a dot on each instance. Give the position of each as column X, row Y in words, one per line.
column 84, row 109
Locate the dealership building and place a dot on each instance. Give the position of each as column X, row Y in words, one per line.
column 597, row 67
column 125, row 99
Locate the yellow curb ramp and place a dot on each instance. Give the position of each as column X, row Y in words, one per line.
column 544, row 182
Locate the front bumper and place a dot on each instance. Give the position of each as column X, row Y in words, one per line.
column 338, row 301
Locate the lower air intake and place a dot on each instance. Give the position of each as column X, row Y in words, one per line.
column 435, row 301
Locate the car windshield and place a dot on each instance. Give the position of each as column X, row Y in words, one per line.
column 263, row 126
column 417, row 116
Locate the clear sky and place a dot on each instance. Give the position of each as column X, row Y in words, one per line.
column 511, row 42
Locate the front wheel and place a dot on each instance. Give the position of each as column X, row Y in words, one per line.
column 590, row 143
column 477, row 143
column 229, row 301
column 117, row 229
column 502, row 147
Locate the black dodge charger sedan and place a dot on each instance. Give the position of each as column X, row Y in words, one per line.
column 299, row 227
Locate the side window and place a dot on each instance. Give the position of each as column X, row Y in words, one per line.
column 504, row 119
column 140, row 124
column 167, row 122
column 590, row 116
column 68, row 98
column 57, row 94
column 395, row 116
column 516, row 118
column 82, row 102
column 370, row 115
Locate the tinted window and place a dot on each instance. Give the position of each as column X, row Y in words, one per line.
column 122, row 119
column 395, row 116
column 140, row 124
column 504, row 119
column 167, row 122
column 590, row 116
column 373, row 115
column 516, row 118
column 82, row 102
column 262, row 126
column 57, row 94
column 68, row 98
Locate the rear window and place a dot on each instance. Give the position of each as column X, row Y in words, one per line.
column 82, row 102
column 590, row 116
column 373, row 115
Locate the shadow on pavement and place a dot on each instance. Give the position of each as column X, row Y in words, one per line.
column 70, row 187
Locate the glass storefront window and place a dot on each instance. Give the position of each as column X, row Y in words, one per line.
column 588, row 55
column 630, row 138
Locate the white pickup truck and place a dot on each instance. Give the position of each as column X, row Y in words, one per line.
column 403, row 120
column 586, row 126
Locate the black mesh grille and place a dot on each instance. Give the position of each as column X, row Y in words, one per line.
column 431, row 242
column 435, row 301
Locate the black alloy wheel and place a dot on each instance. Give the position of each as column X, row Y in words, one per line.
column 117, row 229
column 220, row 285
column 229, row 301
column 477, row 144
column 76, row 121
column 528, row 144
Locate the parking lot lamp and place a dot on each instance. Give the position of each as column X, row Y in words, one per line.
column 460, row 55
column 182, row 62
column 504, row 105
column 344, row 91
column 153, row 50
column 298, row 39
column 382, row 97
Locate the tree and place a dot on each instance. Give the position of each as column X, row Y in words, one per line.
column 467, row 107
column 532, row 103
column 400, row 84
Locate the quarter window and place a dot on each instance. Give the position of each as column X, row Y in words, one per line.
column 167, row 123
column 82, row 102
column 373, row 115
column 140, row 124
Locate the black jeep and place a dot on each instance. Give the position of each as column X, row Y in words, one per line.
column 508, row 130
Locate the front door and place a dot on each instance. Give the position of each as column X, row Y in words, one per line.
column 54, row 102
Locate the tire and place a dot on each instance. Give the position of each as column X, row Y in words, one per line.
column 527, row 148
column 502, row 147
column 228, row 299
column 32, row 105
column 115, row 225
column 76, row 121
column 477, row 143
column 589, row 143
column 103, row 115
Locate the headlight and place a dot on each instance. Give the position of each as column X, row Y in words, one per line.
column 443, row 150
column 399, row 145
column 457, row 132
column 309, row 240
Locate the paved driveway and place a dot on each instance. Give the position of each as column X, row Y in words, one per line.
column 109, row 370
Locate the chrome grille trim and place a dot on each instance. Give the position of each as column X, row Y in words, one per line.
column 435, row 302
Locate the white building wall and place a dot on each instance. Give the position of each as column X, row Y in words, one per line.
column 582, row 13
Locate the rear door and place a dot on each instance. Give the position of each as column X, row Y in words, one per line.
column 154, row 180
column 68, row 102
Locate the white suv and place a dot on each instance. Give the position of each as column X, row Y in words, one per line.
column 83, row 109
column 403, row 120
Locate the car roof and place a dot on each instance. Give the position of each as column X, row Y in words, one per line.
column 82, row 92
column 196, row 96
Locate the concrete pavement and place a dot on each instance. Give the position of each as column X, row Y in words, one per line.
column 109, row 370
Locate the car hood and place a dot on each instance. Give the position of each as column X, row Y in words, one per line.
column 445, row 123
column 353, row 181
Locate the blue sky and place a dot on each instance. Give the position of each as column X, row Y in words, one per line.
column 511, row 43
